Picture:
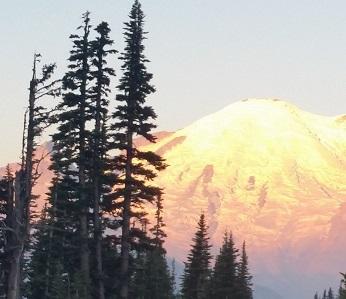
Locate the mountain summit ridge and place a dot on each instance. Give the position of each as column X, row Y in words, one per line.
column 271, row 172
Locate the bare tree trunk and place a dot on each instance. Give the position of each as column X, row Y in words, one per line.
column 29, row 155
column 14, row 275
column 20, row 215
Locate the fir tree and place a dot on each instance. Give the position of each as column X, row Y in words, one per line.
column 244, row 277
column 157, row 276
column 100, row 170
column 157, row 230
column 71, row 158
column 225, row 282
column 330, row 294
column 342, row 288
column 152, row 278
column 324, row 294
column 55, row 258
column 6, row 209
column 111, row 266
column 83, row 175
column 133, row 118
column 63, row 228
column 196, row 276
column 173, row 279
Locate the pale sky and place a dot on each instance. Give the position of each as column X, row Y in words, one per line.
column 205, row 54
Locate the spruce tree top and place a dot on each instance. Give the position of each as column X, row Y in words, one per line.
column 135, row 84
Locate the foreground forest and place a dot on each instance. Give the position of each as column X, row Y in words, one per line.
column 93, row 238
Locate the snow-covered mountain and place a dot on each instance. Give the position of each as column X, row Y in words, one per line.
column 274, row 175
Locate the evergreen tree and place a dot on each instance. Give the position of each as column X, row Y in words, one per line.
column 225, row 282
column 133, row 118
column 101, row 169
column 244, row 277
column 6, row 209
column 75, row 83
column 63, row 226
column 157, row 230
column 196, row 276
column 173, row 279
column 158, row 282
column 71, row 158
column 342, row 288
column 55, row 256
column 324, row 294
column 83, row 176
column 152, row 279
column 330, row 294
column 111, row 266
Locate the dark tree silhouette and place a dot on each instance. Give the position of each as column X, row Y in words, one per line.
column 196, row 277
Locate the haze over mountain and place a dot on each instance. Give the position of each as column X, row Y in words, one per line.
column 274, row 175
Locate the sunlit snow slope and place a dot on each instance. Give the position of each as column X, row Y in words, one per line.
column 273, row 174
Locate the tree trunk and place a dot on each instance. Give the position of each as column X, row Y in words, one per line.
column 84, row 217
column 97, row 216
column 15, row 243
column 125, row 238
column 99, row 137
column 98, row 245
column 19, row 213
column 47, row 266
column 85, row 266
column 28, row 180
column 97, row 212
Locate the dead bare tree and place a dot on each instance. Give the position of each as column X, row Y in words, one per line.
column 18, row 205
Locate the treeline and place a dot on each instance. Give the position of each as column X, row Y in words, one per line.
column 341, row 294
column 93, row 229
column 326, row 295
column 93, row 238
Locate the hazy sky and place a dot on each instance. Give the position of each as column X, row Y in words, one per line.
column 205, row 54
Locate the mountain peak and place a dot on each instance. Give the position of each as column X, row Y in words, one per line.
column 269, row 171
